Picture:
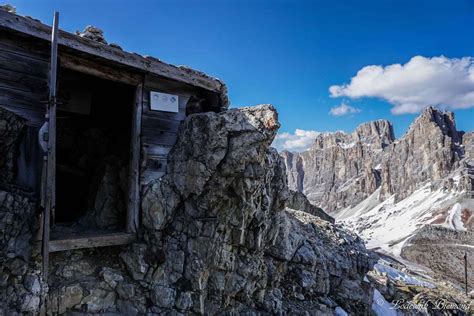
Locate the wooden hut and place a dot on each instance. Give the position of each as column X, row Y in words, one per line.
column 137, row 101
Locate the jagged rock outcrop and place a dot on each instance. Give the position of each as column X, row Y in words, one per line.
column 340, row 169
column 224, row 240
column 429, row 151
column 299, row 201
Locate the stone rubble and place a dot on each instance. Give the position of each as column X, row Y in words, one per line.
column 93, row 33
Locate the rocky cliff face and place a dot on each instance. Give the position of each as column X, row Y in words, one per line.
column 216, row 237
column 429, row 151
column 341, row 170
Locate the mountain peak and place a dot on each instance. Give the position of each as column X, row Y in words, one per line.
column 431, row 117
column 379, row 132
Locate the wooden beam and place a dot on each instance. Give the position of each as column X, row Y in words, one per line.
column 148, row 64
column 96, row 69
column 113, row 239
column 134, row 174
column 50, row 200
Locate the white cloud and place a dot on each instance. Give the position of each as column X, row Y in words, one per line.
column 437, row 81
column 298, row 141
column 343, row 109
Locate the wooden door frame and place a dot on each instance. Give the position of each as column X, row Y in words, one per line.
column 133, row 197
column 133, row 208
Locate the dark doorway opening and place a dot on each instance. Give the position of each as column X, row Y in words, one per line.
column 93, row 154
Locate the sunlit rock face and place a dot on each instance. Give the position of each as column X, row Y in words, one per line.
column 341, row 170
column 429, row 151
column 218, row 222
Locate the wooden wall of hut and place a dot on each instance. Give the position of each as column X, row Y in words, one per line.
column 24, row 71
column 160, row 129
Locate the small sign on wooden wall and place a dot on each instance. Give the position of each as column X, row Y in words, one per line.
column 160, row 101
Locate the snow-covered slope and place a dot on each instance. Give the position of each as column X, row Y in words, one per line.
column 388, row 225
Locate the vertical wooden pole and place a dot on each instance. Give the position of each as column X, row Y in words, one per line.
column 134, row 176
column 465, row 272
column 50, row 190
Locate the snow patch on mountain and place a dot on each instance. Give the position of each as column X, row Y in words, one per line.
column 387, row 225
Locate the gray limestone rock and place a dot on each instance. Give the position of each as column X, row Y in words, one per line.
column 93, row 33
column 221, row 238
column 298, row 201
column 341, row 170
column 12, row 129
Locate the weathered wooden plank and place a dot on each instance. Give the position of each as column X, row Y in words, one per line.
column 23, row 82
column 151, row 149
column 29, row 161
column 160, row 124
column 114, row 239
column 39, row 30
column 24, row 45
column 134, row 174
column 34, row 118
column 180, row 116
column 23, row 64
column 155, row 83
column 149, row 176
column 50, row 183
column 94, row 68
column 158, row 137
column 22, row 99
column 156, row 163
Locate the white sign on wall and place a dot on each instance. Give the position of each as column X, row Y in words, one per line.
column 160, row 101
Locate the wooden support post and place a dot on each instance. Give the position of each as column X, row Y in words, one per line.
column 50, row 189
column 134, row 176
column 465, row 273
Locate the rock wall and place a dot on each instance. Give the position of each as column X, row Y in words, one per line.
column 21, row 288
column 215, row 238
column 341, row 170
column 299, row 201
column 442, row 250
column 12, row 128
column 429, row 151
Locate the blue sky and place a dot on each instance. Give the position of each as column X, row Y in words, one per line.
column 289, row 53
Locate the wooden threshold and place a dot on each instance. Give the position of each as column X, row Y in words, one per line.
column 71, row 243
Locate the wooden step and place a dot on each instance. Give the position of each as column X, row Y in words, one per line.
column 111, row 239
